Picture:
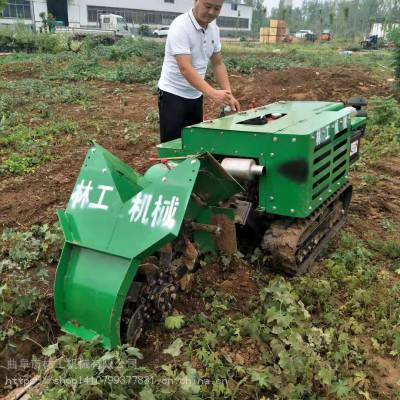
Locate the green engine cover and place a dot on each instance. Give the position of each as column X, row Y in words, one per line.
column 305, row 151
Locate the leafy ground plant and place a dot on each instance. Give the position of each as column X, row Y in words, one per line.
column 25, row 256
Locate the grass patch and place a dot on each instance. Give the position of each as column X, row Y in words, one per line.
column 24, row 148
column 382, row 134
column 139, row 61
column 313, row 55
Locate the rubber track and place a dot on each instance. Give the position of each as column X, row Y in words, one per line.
column 280, row 238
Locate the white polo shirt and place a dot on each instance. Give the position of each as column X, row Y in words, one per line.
column 186, row 36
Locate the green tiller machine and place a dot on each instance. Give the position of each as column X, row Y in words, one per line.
column 275, row 176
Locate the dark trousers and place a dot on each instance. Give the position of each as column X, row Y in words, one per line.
column 177, row 112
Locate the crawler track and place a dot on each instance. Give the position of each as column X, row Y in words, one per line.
column 293, row 244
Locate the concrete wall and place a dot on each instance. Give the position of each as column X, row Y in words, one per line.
column 382, row 29
column 39, row 6
column 76, row 14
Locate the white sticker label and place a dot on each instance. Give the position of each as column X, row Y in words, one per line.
column 354, row 148
column 322, row 136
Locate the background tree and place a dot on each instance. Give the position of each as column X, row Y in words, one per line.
column 259, row 16
column 345, row 18
column 331, row 21
column 395, row 37
column 3, row 4
column 44, row 18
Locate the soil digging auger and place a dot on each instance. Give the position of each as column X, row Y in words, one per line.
column 277, row 174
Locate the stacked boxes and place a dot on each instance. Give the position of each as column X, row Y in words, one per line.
column 275, row 33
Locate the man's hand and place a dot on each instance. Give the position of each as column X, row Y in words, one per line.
column 222, row 79
column 235, row 106
column 224, row 97
column 220, row 96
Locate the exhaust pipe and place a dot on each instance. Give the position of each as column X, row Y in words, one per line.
column 242, row 168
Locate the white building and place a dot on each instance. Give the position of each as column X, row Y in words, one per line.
column 382, row 30
column 80, row 13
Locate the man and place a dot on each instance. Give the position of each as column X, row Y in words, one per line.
column 193, row 39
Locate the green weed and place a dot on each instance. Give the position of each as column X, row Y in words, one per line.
column 31, row 145
column 128, row 48
column 370, row 180
column 22, row 136
column 111, row 374
column 81, row 68
column 392, row 249
column 388, row 225
column 382, row 135
column 32, row 90
column 152, row 118
column 133, row 73
column 19, row 38
column 132, row 131
column 17, row 164
column 24, row 259
column 245, row 65
column 44, row 110
column 384, row 111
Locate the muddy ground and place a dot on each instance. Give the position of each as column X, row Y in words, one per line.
column 34, row 198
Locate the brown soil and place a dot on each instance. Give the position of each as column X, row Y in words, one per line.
column 236, row 281
column 387, row 375
column 307, row 84
column 370, row 205
column 385, row 372
column 33, row 198
column 19, row 70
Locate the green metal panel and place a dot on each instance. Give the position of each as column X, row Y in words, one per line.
column 90, row 290
column 171, row 149
column 105, row 198
column 297, row 113
column 173, row 145
column 357, row 122
column 288, row 147
column 113, row 219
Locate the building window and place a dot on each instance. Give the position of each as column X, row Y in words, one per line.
column 233, row 22
column 17, row 9
column 140, row 17
column 133, row 16
column 169, row 1
column 234, row 6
